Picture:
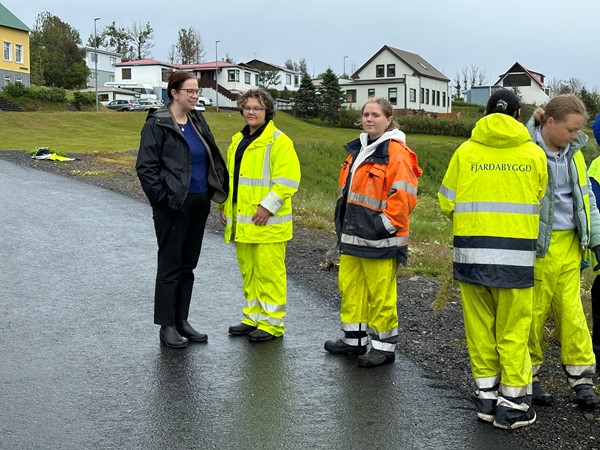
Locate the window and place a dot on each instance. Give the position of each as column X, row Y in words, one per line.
column 233, row 75
column 6, row 80
column 164, row 75
column 113, row 61
column 393, row 95
column 288, row 78
column 102, row 97
column 7, row 51
column 379, row 71
column 422, row 98
column 515, row 79
column 437, row 98
column 371, row 93
column 19, row 53
column 427, row 96
column 412, row 95
column 247, row 77
column 19, row 80
column 126, row 74
column 443, row 99
column 296, row 80
column 93, row 57
column 351, row 96
column 256, row 79
column 391, row 70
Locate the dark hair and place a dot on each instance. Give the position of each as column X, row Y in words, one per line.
column 503, row 101
column 176, row 80
column 263, row 97
column 559, row 108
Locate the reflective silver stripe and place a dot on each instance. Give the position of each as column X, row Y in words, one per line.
column 585, row 190
column 514, row 391
column 387, row 224
column 447, row 192
column 365, row 200
column 340, row 191
column 254, row 182
column 535, row 371
column 500, row 207
column 487, row 382
column 267, row 161
column 580, row 371
column 512, row 405
column 272, row 308
column 273, row 220
column 381, row 243
column 264, row 318
column 356, row 342
column 487, row 395
column 524, row 258
column 383, row 346
column 382, row 335
column 286, row 182
column 357, row 326
column 403, row 186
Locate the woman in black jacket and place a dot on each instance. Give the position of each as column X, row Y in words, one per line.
column 181, row 170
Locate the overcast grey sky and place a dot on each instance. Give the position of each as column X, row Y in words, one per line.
column 559, row 41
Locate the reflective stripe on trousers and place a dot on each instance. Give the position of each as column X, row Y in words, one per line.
column 368, row 288
column 265, row 285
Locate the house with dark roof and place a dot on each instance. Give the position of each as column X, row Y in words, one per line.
column 528, row 84
column 406, row 79
column 14, row 36
column 283, row 78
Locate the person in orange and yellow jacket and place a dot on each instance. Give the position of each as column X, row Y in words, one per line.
column 377, row 193
column 264, row 174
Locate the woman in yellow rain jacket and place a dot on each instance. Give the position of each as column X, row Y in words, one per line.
column 264, row 174
column 492, row 191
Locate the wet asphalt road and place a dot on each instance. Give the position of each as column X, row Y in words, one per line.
column 82, row 367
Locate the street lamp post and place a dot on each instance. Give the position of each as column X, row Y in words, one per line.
column 216, row 75
column 344, row 74
column 96, row 61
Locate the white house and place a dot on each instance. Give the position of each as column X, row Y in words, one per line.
column 286, row 78
column 106, row 65
column 407, row 80
column 528, row 84
column 232, row 78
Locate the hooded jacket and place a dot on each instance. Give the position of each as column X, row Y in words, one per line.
column 376, row 195
column 492, row 191
column 587, row 218
column 164, row 160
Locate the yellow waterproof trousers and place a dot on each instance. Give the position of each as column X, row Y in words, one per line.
column 265, row 285
column 557, row 286
column 368, row 288
column 497, row 323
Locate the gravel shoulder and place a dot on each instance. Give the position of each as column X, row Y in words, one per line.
column 433, row 340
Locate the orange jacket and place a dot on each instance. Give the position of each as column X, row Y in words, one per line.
column 372, row 213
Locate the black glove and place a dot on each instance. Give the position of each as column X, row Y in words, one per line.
column 596, row 251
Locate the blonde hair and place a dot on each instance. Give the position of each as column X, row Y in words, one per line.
column 386, row 108
column 559, row 108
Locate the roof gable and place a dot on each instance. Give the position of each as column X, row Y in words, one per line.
column 519, row 68
column 418, row 64
column 9, row 20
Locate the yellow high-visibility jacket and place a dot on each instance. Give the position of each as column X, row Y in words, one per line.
column 269, row 176
column 492, row 192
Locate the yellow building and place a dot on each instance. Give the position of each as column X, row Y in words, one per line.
column 14, row 38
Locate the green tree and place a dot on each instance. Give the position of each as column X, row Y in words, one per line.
column 56, row 59
column 268, row 78
column 332, row 97
column 591, row 100
column 189, row 48
column 141, row 36
column 305, row 101
column 118, row 39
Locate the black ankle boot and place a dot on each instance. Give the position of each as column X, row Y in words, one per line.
column 171, row 338
column 185, row 329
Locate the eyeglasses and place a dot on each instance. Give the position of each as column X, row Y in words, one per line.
column 191, row 92
column 254, row 109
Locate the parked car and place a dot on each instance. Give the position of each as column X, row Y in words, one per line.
column 147, row 104
column 203, row 101
column 125, row 105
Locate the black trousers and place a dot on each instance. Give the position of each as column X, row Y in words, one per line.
column 179, row 234
column 596, row 314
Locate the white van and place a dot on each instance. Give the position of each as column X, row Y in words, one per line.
column 144, row 91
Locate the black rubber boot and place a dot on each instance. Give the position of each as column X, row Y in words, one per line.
column 586, row 397
column 171, row 338
column 339, row 347
column 539, row 396
column 185, row 329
